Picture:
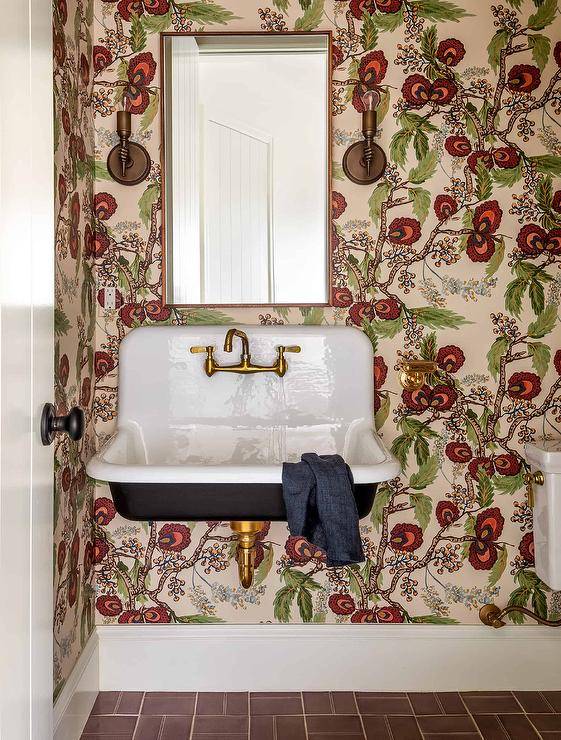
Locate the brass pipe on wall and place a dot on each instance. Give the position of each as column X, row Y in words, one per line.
column 492, row 616
column 245, row 553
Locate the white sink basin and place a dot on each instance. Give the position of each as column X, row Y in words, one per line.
column 189, row 446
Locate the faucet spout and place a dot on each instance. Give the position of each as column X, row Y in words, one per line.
column 230, row 334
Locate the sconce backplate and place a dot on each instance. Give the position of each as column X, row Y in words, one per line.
column 354, row 168
column 138, row 165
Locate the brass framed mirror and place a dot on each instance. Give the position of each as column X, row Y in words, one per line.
column 246, row 168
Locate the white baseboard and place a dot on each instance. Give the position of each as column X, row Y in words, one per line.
column 74, row 704
column 266, row 657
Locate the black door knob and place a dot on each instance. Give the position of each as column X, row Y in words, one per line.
column 72, row 424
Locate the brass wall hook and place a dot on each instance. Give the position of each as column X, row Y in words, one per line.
column 128, row 162
column 413, row 373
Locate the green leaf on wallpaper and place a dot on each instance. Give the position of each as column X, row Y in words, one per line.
column 379, row 195
column 433, row 619
column 304, row 4
column 205, row 316
column 498, row 349
column 422, row 508
column 439, row 10
column 547, row 164
column 483, row 184
column 485, row 491
column 264, row 567
column 421, row 200
column 146, row 201
column 508, row 484
column 426, row 474
column 156, row 23
column 541, row 355
column 439, row 318
column 517, row 4
column 544, row 192
column 137, row 34
column 281, row 5
column 381, row 500
column 513, row 295
column 499, row 567
column 497, row 259
column 400, row 448
column 387, row 329
column 312, row 315
column 388, row 21
column 399, row 144
column 206, row 13
column 56, row 132
column 304, row 601
column 544, row 323
column 428, row 346
column 413, row 122
column 544, row 15
column 384, row 106
column 537, row 296
column 421, row 144
column 311, row 18
column 61, row 323
column 150, row 112
column 369, row 35
column 509, row 177
column 380, row 417
column 198, row 619
column 425, row 169
column 497, row 43
column 421, row 450
column 541, row 47
column 429, row 41
column 337, row 171
column 100, row 170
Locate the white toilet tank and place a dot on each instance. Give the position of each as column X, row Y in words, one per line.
column 545, row 456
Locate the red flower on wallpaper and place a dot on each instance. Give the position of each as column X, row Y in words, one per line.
column 132, row 314
column 364, row 616
column 61, row 556
column 62, row 191
column 447, row 513
column 483, row 552
column 65, row 118
column 481, row 242
column 75, row 551
column 66, row 478
column 84, row 70
column 72, row 588
column 263, row 532
column 507, row 464
column 140, row 73
column 380, row 371
column 406, row 537
column 358, row 7
column 506, row 157
column 361, row 311
column 151, row 615
column 131, row 616
column 337, row 56
column 458, row 452
column 557, row 53
column 444, row 207
column 74, row 233
column 526, row 548
column 417, row 90
column 174, row 537
column 100, row 243
column 523, row 78
column 155, row 311
column 338, row 204
column 557, row 361
column 389, row 615
column 299, row 550
column 450, row 52
column 450, row 358
column 458, row 146
column 63, row 369
column 102, row 58
column 533, row 240
column 480, row 156
column 100, row 550
column 556, row 200
column 524, row 386
column 104, row 511
column 404, row 231
column 109, row 606
column 481, row 465
column 341, row 297
column 103, row 363
column 371, row 71
column 59, row 48
column 86, row 391
column 61, row 10
column 88, row 558
column 128, row 8
column 387, row 309
column 342, row 604
column 439, row 398
column 105, row 206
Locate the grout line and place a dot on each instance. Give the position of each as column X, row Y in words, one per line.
column 138, row 715
column 117, row 703
column 360, row 715
column 304, row 714
column 470, row 715
column 194, row 715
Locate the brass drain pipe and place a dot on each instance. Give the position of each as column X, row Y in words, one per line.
column 492, row 616
column 245, row 553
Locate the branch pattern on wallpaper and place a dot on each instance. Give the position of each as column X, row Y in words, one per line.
column 469, row 211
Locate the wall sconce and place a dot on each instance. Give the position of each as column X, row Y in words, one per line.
column 128, row 163
column 364, row 162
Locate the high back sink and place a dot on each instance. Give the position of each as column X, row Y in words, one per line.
column 188, row 446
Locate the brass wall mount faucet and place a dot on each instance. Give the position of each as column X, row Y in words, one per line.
column 247, row 532
column 244, row 366
column 412, row 373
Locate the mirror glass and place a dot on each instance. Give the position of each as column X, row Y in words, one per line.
column 246, row 138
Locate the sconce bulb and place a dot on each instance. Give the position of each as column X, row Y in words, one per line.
column 370, row 99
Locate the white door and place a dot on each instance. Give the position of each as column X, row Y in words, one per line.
column 26, row 369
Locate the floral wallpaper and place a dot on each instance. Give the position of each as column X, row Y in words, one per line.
column 453, row 256
column 74, row 330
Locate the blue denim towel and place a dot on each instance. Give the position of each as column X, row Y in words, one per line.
column 320, row 506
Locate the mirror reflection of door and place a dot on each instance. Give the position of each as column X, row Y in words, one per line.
column 246, row 127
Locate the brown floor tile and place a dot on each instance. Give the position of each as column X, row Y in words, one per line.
column 453, row 736
column 261, row 728
column 344, row 702
column 532, row 701
column 504, row 703
column 551, row 735
column 441, row 723
column 237, row 702
column 518, row 727
column 106, row 702
column 330, row 723
column 451, row 702
column 376, row 728
column 210, row 703
column 104, row 725
column 317, row 702
column 382, row 694
column 148, row 728
column 129, row 702
column 486, row 693
column 328, row 736
column 404, row 728
column 369, row 704
column 220, row 725
column 546, row 722
column 176, row 728
column 425, row 703
column 554, row 698
column 227, row 736
column 105, row 737
column 290, row 728
column 275, row 704
column 490, row 727
column 168, row 703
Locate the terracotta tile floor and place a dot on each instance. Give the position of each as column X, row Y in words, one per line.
column 339, row 715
